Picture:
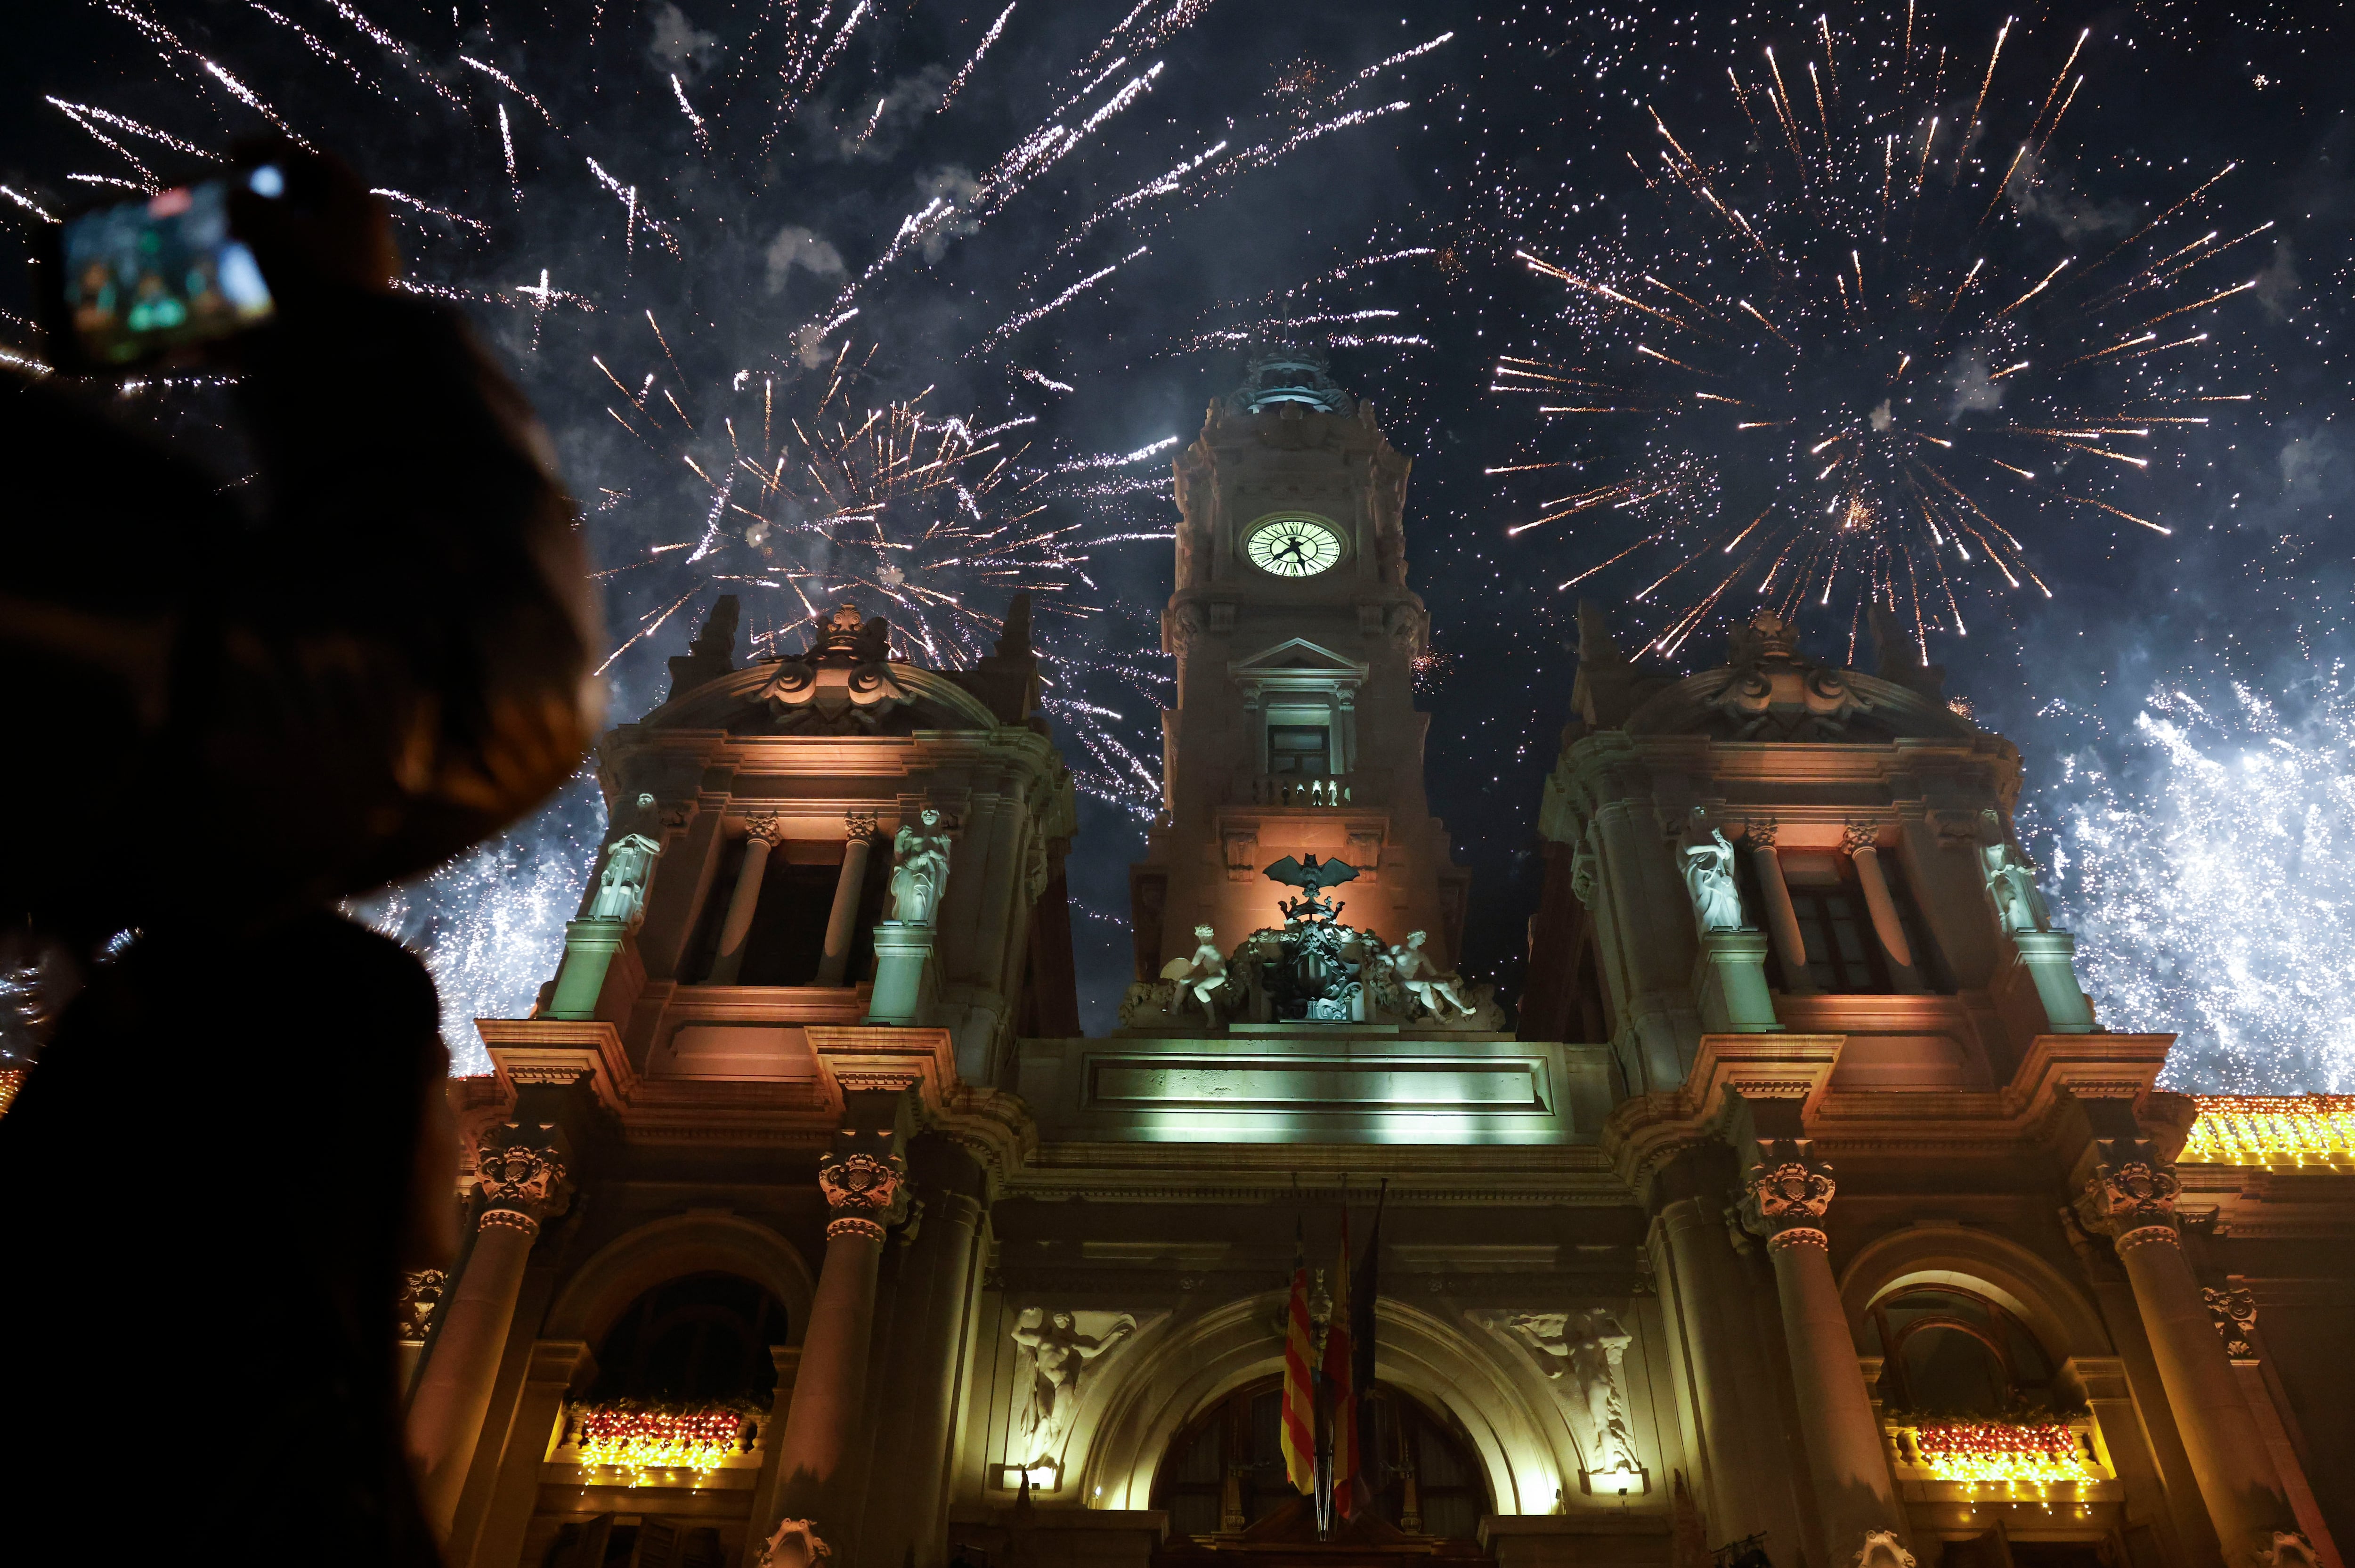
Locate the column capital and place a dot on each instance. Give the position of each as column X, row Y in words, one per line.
column 1785, row 1194
column 2130, row 1195
column 2234, row 1312
column 422, row 1291
column 521, row 1187
column 859, row 826
column 860, row 1190
column 768, row 827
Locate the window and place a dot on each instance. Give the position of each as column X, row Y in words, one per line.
column 1844, row 952
column 705, row 1336
column 1225, row 1472
column 1299, row 748
column 1951, row 1352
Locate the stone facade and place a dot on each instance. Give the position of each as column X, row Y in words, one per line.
column 1808, row 1211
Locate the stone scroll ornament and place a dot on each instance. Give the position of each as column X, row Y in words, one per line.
column 2234, row 1313
column 1058, row 1352
column 630, row 856
column 920, row 870
column 860, row 1190
column 842, row 683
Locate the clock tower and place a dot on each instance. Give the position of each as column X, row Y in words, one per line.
column 1294, row 632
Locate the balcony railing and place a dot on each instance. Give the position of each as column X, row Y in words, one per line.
column 647, row 1440
column 1307, row 789
column 2048, row 1457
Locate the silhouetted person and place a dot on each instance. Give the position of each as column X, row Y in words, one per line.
column 230, row 705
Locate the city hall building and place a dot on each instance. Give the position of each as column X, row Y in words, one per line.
column 1804, row 1209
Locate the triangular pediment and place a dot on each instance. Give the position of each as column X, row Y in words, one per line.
column 1297, row 657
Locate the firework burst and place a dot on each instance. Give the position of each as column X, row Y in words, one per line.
column 1866, row 340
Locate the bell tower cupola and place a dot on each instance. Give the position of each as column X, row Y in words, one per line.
column 1295, row 634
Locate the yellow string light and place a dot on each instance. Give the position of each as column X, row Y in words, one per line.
column 2008, row 1452
column 625, row 1436
column 2273, row 1129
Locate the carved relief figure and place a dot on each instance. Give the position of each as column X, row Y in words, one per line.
column 629, row 862
column 1708, row 875
column 1203, row 976
column 920, row 870
column 1422, row 979
column 1584, row 1351
column 2011, row 882
column 1059, row 1356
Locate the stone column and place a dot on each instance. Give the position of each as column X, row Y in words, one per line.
column 822, row 1424
column 842, row 921
column 1781, row 918
column 918, row 1508
column 1866, row 853
column 1707, row 1298
column 520, row 1187
column 2234, row 1313
column 2131, row 1197
column 1784, row 1200
column 761, row 835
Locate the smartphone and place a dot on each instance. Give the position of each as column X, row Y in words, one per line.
column 138, row 281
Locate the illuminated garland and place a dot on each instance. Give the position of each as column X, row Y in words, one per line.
column 2273, row 1129
column 627, row 1435
column 11, row 1080
column 2001, row 1451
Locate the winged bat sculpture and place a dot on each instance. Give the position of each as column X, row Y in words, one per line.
column 1310, row 876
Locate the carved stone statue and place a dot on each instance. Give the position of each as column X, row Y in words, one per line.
column 630, row 858
column 1584, row 1351
column 1421, row 978
column 1708, row 875
column 920, row 868
column 1059, row 1354
column 795, row 1544
column 2011, row 882
column 1203, row 976
column 1882, row 1549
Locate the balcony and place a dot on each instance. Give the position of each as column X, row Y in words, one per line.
column 2282, row 1132
column 2053, row 1465
column 1326, row 791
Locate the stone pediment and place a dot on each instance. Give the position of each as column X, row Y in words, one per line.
column 1298, row 658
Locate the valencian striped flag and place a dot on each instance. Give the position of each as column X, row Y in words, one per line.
column 1299, row 1435
column 1340, row 1388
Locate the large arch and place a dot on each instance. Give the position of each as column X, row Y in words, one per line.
column 663, row 1250
column 2032, row 1290
column 1161, row 1386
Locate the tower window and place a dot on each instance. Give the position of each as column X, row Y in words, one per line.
column 1298, row 749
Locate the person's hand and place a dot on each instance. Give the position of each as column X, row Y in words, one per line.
column 324, row 234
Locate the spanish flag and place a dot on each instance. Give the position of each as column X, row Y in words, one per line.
column 1340, row 1385
column 1300, row 1435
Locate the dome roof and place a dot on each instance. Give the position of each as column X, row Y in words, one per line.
column 1768, row 690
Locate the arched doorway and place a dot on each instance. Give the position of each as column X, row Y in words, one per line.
column 1223, row 1481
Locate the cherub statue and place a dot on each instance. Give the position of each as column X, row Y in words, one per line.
column 1422, row 979
column 1709, row 876
column 629, row 861
column 920, row 868
column 1204, row 975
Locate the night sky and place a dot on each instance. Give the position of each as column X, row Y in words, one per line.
column 1516, row 133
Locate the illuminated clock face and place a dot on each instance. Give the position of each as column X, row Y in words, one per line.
column 1294, row 546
